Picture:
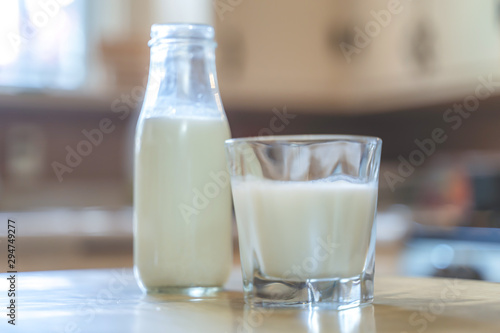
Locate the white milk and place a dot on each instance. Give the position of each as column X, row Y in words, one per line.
column 304, row 230
column 182, row 221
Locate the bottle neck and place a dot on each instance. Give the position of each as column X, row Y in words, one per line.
column 183, row 79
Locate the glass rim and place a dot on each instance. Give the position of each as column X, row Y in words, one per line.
column 172, row 32
column 305, row 139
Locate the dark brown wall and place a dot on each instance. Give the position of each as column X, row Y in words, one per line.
column 398, row 130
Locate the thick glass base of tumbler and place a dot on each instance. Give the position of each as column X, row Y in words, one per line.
column 335, row 293
column 185, row 291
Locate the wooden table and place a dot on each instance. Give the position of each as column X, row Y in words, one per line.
column 110, row 301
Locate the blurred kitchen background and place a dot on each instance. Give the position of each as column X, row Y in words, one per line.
column 422, row 75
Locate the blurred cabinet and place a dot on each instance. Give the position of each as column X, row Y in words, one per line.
column 432, row 51
column 346, row 55
column 280, row 52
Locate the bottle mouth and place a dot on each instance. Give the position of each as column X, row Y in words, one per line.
column 178, row 32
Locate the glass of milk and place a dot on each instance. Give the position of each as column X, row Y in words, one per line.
column 305, row 209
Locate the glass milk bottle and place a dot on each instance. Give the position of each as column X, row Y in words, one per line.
column 182, row 204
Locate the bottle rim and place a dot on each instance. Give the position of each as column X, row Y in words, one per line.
column 175, row 32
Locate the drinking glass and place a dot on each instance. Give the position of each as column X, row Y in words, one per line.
column 305, row 209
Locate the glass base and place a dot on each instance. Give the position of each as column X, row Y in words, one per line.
column 185, row 291
column 335, row 293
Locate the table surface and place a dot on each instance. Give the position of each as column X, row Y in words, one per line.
column 110, row 301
